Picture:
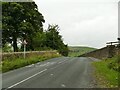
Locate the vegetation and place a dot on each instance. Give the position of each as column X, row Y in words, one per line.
column 77, row 50
column 115, row 63
column 107, row 72
column 7, row 48
column 22, row 21
column 54, row 40
column 15, row 63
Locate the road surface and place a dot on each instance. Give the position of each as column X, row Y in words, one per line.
column 62, row 72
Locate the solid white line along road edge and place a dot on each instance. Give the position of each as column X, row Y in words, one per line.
column 26, row 79
column 30, row 65
column 62, row 61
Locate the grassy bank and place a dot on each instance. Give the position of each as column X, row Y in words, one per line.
column 106, row 72
column 79, row 50
column 15, row 63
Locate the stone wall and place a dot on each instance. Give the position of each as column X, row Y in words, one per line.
column 106, row 52
column 13, row 55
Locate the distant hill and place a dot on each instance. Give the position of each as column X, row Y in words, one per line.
column 79, row 50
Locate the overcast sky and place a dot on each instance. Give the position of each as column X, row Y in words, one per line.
column 82, row 22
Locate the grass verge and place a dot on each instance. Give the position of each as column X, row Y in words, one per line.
column 107, row 76
column 8, row 65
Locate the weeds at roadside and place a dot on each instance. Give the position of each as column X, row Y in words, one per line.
column 8, row 65
column 107, row 72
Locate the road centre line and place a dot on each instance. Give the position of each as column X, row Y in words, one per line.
column 26, row 79
column 58, row 65
column 32, row 76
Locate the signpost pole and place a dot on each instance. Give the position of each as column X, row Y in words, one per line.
column 24, row 43
column 24, row 50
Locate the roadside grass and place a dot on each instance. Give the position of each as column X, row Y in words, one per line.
column 105, row 74
column 8, row 65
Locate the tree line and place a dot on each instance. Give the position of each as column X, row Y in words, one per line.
column 22, row 21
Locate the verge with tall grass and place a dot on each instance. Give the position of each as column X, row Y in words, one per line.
column 11, row 64
column 107, row 72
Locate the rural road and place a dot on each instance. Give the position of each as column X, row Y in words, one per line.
column 62, row 72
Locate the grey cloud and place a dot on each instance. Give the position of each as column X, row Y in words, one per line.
column 82, row 22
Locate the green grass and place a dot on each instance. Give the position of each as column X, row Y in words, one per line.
column 77, row 50
column 8, row 65
column 106, row 76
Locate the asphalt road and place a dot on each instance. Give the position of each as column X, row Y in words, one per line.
column 62, row 72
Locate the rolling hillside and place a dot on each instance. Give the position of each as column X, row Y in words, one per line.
column 79, row 50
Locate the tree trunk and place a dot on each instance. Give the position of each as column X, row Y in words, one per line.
column 15, row 44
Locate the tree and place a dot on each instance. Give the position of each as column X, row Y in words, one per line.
column 39, row 41
column 54, row 40
column 20, row 20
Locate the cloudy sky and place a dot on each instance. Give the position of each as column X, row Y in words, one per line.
column 82, row 22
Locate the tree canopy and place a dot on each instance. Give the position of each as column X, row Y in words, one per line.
column 23, row 21
column 54, row 40
column 20, row 20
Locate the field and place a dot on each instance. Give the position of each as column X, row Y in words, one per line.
column 77, row 50
column 107, row 72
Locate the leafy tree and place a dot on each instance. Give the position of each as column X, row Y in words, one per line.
column 54, row 40
column 7, row 48
column 64, row 50
column 20, row 20
column 39, row 41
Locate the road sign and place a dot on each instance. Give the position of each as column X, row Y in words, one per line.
column 24, row 42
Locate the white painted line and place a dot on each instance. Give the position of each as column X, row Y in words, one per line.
column 51, row 74
column 26, row 79
column 30, row 65
column 38, row 63
column 63, row 85
column 60, row 62
column 43, row 64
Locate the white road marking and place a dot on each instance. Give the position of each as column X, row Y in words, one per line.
column 60, row 62
column 38, row 63
column 45, row 64
column 51, row 74
column 26, row 79
column 30, row 65
column 57, row 66
column 63, row 85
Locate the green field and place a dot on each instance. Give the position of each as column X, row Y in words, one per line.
column 75, row 51
column 107, row 72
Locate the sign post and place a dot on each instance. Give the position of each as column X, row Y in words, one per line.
column 24, row 43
